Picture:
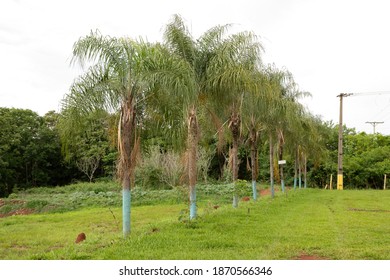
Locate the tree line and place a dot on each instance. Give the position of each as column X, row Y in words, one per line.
column 33, row 155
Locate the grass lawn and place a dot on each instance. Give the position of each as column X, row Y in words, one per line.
column 349, row 224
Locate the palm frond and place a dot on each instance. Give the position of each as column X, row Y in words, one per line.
column 96, row 90
column 178, row 39
column 97, row 48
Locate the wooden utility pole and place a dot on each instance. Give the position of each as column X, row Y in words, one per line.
column 374, row 124
column 340, row 185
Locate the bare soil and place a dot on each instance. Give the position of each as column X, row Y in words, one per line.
column 22, row 211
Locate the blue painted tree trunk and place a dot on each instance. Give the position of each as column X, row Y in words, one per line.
column 281, row 168
column 235, row 200
column 254, row 190
column 126, row 207
column 193, row 135
column 254, row 159
column 126, row 141
column 192, row 202
column 235, row 122
column 296, row 169
column 271, row 165
column 305, row 173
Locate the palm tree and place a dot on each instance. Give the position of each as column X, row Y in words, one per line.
column 219, row 65
column 254, row 118
column 289, row 126
column 311, row 144
column 123, row 74
column 237, row 63
column 284, row 115
column 276, row 108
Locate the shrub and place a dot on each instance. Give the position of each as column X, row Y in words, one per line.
column 159, row 169
column 205, row 155
column 36, row 204
column 242, row 188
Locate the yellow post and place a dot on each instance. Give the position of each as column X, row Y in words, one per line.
column 384, row 183
column 339, row 181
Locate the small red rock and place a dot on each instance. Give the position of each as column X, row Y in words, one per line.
column 81, row 237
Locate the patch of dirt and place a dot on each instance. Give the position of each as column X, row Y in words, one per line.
column 22, row 211
column 12, row 202
column 20, row 247
column 265, row 192
column 15, row 201
column 268, row 191
column 309, row 257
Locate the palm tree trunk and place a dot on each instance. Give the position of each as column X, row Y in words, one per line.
column 193, row 136
column 299, row 171
column 271, row 165
column 305, row 172
column 253, row 143
column 281, row 173
column 126, row 141
column 296, row 169
column 235, row 122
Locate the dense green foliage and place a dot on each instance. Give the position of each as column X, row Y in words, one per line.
column 30, row 151
column 352, row 224
column 31, row 155
column 366, row 159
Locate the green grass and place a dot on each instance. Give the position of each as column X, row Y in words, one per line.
column 345, row 224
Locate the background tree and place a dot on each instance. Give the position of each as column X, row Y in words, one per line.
column 30, row 151
column 87, row 143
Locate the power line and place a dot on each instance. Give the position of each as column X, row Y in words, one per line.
column 370, row 93
column 387, row 106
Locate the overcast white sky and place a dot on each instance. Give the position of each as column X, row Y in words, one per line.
column 330, row 46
